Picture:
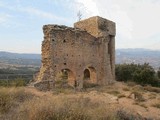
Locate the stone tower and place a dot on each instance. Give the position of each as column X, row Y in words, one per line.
column 86, row 52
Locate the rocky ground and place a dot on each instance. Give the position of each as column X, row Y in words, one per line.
column 119, row 101
column 132, row 98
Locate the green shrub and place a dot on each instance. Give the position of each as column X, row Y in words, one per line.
column 158, row 73
column 18, row 82
column 4, row 83
column 141, row 74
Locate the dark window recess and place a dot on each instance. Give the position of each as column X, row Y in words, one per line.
column 86, row 74
column 64, row 41
column 65, row 63
column 55, row 66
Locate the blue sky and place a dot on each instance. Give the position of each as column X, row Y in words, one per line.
column 21, row 21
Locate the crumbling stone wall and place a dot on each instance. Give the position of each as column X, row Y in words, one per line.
column 86, row 52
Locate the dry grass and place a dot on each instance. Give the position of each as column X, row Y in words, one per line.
column 126, row 115
column 10, row 97
column 17, row 104
column 138, row 96
column 121, row 96
column 152, row 96
column 140, row 104
column 131, row 84
column 96, row 103
column 125, row 89
column 64, row 108
column 64, row 91
column 114, row 92
column 152, row 89
column 157, row 105
column 138, row 88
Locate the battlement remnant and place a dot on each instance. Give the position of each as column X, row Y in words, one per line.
column 85, row 53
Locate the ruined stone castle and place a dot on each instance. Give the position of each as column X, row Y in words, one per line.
column 86, row 52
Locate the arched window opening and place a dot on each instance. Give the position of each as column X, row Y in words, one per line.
column 86, row 74
column 90, row 75
column 66, row 77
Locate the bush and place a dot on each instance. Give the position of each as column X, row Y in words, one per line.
column 158, row 73
column 141, row 74
column 124, row 71
column 5, row 101
column 123, row 115
column 18, row 82
column 10, row 96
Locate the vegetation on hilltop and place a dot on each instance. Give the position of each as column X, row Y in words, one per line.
column 142, row 74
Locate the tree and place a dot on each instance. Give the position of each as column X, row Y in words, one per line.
column 145, row 74
column 158, row 73
column 79, row 15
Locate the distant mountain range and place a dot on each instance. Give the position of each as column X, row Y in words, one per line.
column 122, row 56
column 12, row 60
column 9, row 55
column 138, row 56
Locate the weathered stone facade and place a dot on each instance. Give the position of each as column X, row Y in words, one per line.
column 86, row 52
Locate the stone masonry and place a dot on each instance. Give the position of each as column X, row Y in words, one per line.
column 86, row 52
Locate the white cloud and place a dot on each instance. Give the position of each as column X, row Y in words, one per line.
column 136, row 20
column 146, row 20
column 109, row 10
